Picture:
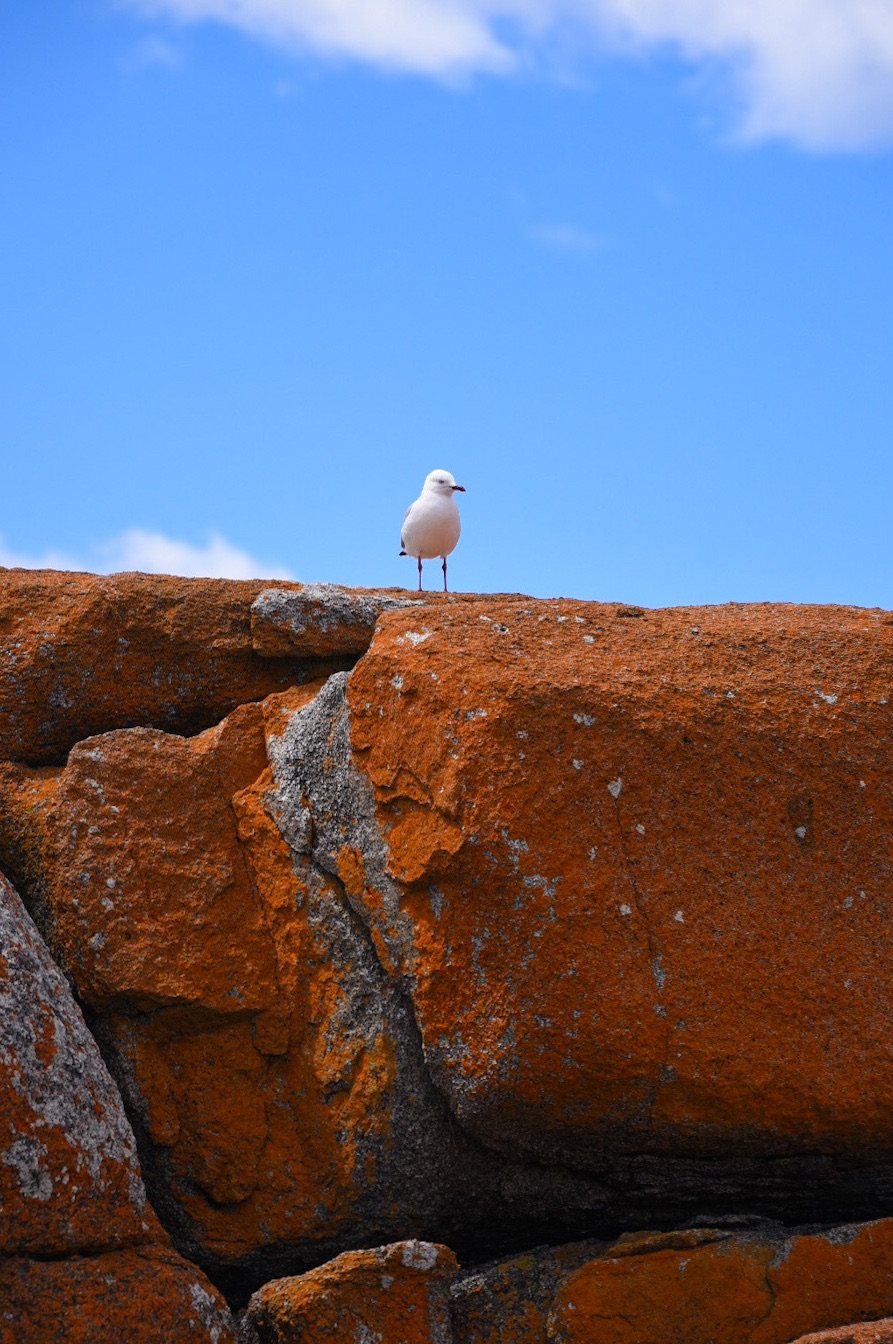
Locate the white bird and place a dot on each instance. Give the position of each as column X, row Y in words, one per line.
column 431, row 527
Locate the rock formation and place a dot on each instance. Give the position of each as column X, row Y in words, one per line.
column 490, row 922
column 394, row 1292
column 82, row 1255
column 753, row 1285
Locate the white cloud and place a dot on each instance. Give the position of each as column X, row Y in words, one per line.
column 567, row 238
column 47, row 560
column 430, row 36
column 150, row 53
column 154, row 553
column 816, row 72
column 157, row 51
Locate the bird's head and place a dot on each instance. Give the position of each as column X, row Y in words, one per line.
column 441, row 483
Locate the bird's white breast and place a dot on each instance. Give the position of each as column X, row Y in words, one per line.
column 431, row 527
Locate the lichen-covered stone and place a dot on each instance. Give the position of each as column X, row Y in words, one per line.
column 221, row 989
column 84, row 653
column 69, row 1175
column 508, row 1301
column 319, row 619
column 270, row 1061
column 396, row 1294
column 633, row 869
column 547, row 917
column 697, row 1286
column 763, row 1287
column 146, row 1295
column 83, row 1258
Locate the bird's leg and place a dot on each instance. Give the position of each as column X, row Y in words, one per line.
column 420, row 573
column 444, row 574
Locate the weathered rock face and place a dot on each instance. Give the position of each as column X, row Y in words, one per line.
column 545, row 920
column 397, row 1294
column 141, row 1296
column 82, row 1256
column 704, row 1286
column 199, row 966
column 508, row 1302
column 270, row 1063
column 320, row 620
column 69, row 1176
column 82, row 654
column 634, row 872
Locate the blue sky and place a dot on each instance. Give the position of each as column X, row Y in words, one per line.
column 625, row 267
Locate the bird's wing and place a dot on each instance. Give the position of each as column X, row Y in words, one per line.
column 405, row 516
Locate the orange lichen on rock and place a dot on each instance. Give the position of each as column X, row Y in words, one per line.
column 224, row 969
column 69, row 1176
column 712, row 1291
column 82, row 654
column 831, row 1278
column 397, row 1294
column 725, row 1289
column 545, row 917
column 82, row 1256
column 139, row 1296
column 507, row 1302
column 641, row 861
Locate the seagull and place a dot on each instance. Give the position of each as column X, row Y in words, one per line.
column 431, row 527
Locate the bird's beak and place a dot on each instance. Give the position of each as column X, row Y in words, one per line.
column 459, row 487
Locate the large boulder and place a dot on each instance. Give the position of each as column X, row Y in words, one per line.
column 761, row 1285
column 634, row 872
column 271, row 1064
column 69, row 1175
column 144, row 1295
column 397, row 1294
column 546, row 917
column 82, row 1255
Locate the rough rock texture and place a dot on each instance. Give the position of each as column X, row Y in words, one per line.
column 703, row 1286
column 320, row 619
column 69, row 1176
column 397, row 1294
column 146, row 1295
column 869, row 1332
column 76, row 1232
column 507, row 1302
column 271, row 1067
column 633, row 869
column 544, row 920
column 82, row 653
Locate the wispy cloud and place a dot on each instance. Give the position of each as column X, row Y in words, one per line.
column 438, row 37
column 153, row 553
column 153, row 51
column 818, row 73
column 567, row 238
column 10, row 559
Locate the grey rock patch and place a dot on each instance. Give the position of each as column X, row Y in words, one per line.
column 320, row 793
column 318, row 620
column 27, row 1157
column 208, row 1310
column 245, row 1330
column 435, row 1181
column 78, row 1151
column 532, row 1277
